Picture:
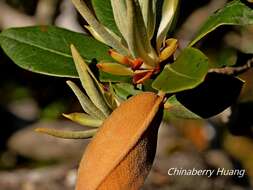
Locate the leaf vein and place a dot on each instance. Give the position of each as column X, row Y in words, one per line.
column 39, row 47
column 180, row 74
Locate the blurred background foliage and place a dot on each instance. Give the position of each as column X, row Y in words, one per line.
column 28, row 100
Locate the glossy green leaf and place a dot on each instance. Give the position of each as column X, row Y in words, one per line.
column 188, row 71
column 104, row 13
column 234, row 13
column 45, row 49
column 214, row 95
column 125, row 90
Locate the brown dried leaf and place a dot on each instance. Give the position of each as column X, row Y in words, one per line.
column 121, row 154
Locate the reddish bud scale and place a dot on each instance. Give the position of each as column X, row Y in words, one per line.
column 139, row 78
column 119, row 58
column 136, row 63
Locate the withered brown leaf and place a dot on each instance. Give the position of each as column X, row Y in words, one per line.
column 121, row 154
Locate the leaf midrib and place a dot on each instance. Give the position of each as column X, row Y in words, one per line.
column 181, row 74
column 37, row 46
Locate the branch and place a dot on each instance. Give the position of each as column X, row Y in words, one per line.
column 233, row 70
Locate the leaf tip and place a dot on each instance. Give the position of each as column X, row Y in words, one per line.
column 69, row 82
column 40, row 130
column 66, row 115
column 73, row 48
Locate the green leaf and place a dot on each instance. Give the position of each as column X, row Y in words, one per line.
column 45, row 49
column 107, row 37
column 148, row 9
column 188, row 71
column 176, row 110
column 84, row 119
column 104, row 13
column 85, row 102
column 234, row 13
column 137, row 36
column 67, row 134
column 89, row 85
column 147, row 86
column 111, row 99
column 214, row 95
column 115, row 69
column 125, row 90
column 227, row 57
column 107, row 77
column 221, row 56
column 169, row 10
column 120, row 14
